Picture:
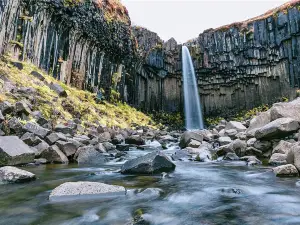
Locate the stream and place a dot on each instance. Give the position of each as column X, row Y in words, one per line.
column 195, row 193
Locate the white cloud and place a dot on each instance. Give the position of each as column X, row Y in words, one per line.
column 185, row 20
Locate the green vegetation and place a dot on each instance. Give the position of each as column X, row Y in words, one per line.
column 171, row 120
column 17, row 43
column 78, row 103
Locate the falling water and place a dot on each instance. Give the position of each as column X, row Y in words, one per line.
column 192, row 108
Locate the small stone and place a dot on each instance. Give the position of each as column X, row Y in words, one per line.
column 37, row 75
column 58, row 89
column 231, row 156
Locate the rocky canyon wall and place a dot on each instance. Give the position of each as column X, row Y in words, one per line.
column 238, row 66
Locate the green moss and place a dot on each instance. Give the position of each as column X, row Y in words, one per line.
column 27, row 18
column 16, row 43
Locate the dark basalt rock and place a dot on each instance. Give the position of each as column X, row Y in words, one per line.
column 151, row 163
column 38, row 75
column 58, row 89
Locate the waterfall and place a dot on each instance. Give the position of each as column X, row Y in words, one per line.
column 192, row 108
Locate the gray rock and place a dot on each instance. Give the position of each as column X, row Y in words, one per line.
column 135, row 140
column 58, row 89
column 188, row 136
column 10, row 174
column 235, row 125
column 231, row 133
column 257, row 122
column 40, row 161
column 251, row 141
column 277, row 129
column 81, row 189
column 13, row 151
column 194, row 144
column 36, row 129
column 54, row 137
column 100, row 148
column 30, row 139
column 41, row 147
column 224, row 140
column 6, row 108
column 283, row 147
column 251, row 160
column 155, row 162
column 118, row 139
column 108, row 146
column 90, row 156
column 60, row 128
column 37, row 75
column 68, row 148
column 278, row 159
column 251, row 151
column 123, row 147
column 82, row 139
column 286, row 110
column 1, row 117
column 288, row 170
column 181, row 155
column 54, row 155
column 263, row 146
column 241, row 136
column 15, row 126
column 231, row 156
column 22, row 107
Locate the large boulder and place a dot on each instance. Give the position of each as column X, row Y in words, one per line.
column 293, row 156
column 278, row 159
column 238, row 126
column 288, row 170
column 188, row 136
column 286, row 109
column 68, row 148
column 36, row 129
column 13, row 151
column 54, row 137
column 283, row 147
column 82, row 189
column 54, row 155
column 135, row 140
column 88, row 155
column 224, row 140
column 155, row 162
column 12, row 174
column 258, row 122
column 277, row 129
column 22, row 107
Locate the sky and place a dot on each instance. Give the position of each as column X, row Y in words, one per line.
column 186, row 19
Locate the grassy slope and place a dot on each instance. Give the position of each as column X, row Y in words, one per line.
column 62, row 109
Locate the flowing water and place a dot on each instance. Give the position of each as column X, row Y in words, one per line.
column 195, row 193
column 192, row 108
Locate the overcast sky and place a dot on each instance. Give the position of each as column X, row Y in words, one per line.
column 186, row 19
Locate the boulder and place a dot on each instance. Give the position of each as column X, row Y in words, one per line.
column 63, row 129
column 118, row 139
column 231, row 156
column 286, row 110
column 288, row 170
column 10, row 174
column 155, row 162
column 238, row 126
column 283, row 147
column 194, row 144
column 13, row 151
column 224, row 140
column 36, row 129
column 231, row 133
column 188, row 136
column 100, row 148
column 135, row 140
column 108, row 146
column 54, row 155
column 58, row 89
column 263, row 146
column 6, row 108
column 251, row 151
column 40, row 147
column 278, row 159
column 257, row 122
column 123, row 147
column 68, row 148
column 251, row 142
column 1, row 117
column 22, row 107
column 251, row 160
column 277, row 129
column 181, row 155
column 81, row 189
column 241, row 136
column 15, row 126
column 90, row 156
column 54, row 137
column 30, row 139
column 37, row 75
column 104, row 137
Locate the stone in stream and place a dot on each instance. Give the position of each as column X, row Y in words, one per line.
column 68, row 148
column 277, row 129
column 54, row 155
column 188, row 136
column 13, row 151
column 288, row 170
column 181, row 155
column 278, row 159
column 231, row 156
column 251, row 160
column 90, row 156
column 135, row 140
column 85, row 189
column 155, row 162
column 10, row 174
column 118, row 139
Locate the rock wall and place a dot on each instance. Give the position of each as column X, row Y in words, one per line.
column 238, row 66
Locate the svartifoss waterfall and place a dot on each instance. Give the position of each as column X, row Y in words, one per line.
column 192, row 108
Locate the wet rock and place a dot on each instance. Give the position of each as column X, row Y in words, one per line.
column 77, row 189
column 181, row 155
column 231, row 190
column 238, row 126
column 100, row 148
column 188, row 136
column 118, row 139
column 36, row 129
column 10, row 174
column 13, row 151
column 123, row 147
column 151, row 163
column 203, row 156
column 6, row 108
column 30, row 139
column 277, row 129
column 109, row 146
column 54, row 155
column 40, row 161
column 68, row 148
column 231, row 156
column 251, row 151
column 288, row 170
column 278, row 159
column 167, row 138
column 88, row 155
column 194, row 144
column 37, row 75
column 22, row 107
column 58, row 89
column 251, row 160
column 135, row 140
column 224, row 140
column 54, row 137
column 60, row 128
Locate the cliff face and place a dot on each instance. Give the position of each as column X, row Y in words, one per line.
column 81, row 42
column 238, row 66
